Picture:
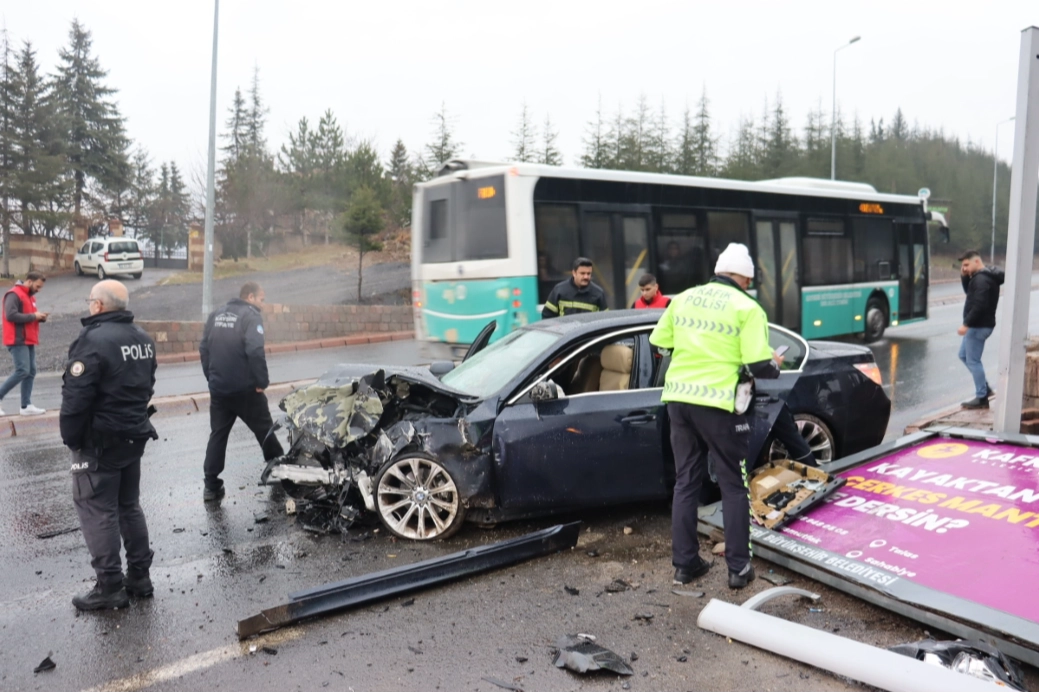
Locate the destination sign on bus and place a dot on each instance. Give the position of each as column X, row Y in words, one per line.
column 871, row 208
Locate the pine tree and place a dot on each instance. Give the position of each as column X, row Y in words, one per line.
column 658, row 154
column 402, row 177
column 364, row 170
column 549, row 154
column 362, row 222
column 705, row 144
column 296, row 161
column 596, row 142
column 524, row 136
column 38, row 154
column 96, row 139
column 443, row 146
column 899, row 129
column 137, row 208
column 780, row 150
column 685, row 157
column 742, row 162
column 331, row 151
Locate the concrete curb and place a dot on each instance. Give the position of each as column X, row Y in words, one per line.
column 327, row 343
column 175, row 405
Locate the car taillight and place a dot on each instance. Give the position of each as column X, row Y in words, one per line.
column 106, row 256
column 871, row 371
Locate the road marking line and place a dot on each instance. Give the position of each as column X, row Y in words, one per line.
column 197, row 662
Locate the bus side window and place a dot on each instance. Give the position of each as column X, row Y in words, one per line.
column 724, row 228
column 555, row 227
column 681, row 256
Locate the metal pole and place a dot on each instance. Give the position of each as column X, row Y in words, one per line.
column 995, row 174
column 833, row 114
column 1024, row 177
column 207, row 262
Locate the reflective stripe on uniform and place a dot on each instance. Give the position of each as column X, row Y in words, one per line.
column 577, row 305
column 699, row 391
column 551, row 307
column 707, row 326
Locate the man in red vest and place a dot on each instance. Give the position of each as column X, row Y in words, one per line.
column 21, row 330
column 651, row 296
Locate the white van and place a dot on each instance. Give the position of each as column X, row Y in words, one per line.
column 108, row 256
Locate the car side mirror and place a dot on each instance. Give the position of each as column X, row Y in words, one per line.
column 441, row 368
column 545, row 391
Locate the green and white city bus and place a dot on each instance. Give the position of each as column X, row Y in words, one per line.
column 489, row 241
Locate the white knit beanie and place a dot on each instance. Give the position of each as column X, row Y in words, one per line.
column 735, row 260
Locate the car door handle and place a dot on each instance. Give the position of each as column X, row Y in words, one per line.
column 638, row 417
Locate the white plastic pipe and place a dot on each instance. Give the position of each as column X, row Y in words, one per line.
column 871, row 665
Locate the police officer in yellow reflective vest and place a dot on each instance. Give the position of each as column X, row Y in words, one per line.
column 713, row 331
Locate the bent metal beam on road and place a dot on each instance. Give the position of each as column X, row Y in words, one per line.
column 335, row 596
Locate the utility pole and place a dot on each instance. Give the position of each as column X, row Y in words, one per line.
column 207, row 261
column 1024, row 177
column 833, row 113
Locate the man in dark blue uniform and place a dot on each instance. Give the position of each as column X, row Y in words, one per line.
column 235, row 365
column 108, row 382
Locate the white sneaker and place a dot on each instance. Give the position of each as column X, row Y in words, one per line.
column 32, row 410
column 2, row 412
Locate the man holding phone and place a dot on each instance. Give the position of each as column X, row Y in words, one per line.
column 21, row 331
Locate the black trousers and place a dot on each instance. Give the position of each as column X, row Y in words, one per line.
column 107, row 494
column 785, row 431
column 253, row 410
column 695, row 431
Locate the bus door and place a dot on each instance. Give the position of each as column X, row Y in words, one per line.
column 912, row 270
column 779, row 277
column 616, row 239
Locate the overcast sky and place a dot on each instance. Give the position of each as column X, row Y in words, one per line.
column 385, row 67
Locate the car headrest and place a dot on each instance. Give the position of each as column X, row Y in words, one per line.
column 618, row 358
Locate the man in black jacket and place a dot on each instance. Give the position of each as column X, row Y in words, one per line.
column 579, row 294
column 108, row 381
column 235, row 365
column 981, row 284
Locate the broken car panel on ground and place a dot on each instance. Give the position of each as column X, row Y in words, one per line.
column 561, row 415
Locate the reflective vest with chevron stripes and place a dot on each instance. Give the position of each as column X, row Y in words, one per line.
column 711, row 331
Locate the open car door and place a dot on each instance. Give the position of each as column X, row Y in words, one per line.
column 481, row 341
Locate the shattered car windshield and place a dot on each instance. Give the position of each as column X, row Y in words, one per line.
column 491, row 369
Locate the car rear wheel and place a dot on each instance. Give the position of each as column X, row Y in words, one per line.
column 79, row 270
column 101, row 271
column 137, row 275
column 876, row 321
column 815, row 432
column 416, row 498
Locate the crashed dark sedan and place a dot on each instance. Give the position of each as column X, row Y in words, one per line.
column 559, row 415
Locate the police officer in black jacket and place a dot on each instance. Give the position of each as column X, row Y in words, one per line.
column 235, row 365
column 109, row 379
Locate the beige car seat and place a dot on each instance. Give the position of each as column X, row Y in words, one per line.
column 616, row 367
column 587, row 377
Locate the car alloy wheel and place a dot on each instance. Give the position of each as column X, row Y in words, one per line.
column 101, row 271
column 416, row 498
column 816, row 433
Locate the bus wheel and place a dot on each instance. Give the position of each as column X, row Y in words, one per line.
column 876, row 321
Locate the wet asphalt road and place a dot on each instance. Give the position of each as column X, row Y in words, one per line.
column 214, row 566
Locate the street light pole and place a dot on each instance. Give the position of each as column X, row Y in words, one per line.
column 995, row 174
column 207, row 258
column 833, row 113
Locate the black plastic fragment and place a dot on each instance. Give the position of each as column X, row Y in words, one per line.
column 46, row 665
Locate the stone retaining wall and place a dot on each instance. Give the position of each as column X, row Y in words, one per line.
column 284, row 324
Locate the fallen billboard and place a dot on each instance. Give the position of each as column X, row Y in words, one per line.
column 942, row 526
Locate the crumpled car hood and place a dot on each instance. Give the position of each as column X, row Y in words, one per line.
column 347, row 401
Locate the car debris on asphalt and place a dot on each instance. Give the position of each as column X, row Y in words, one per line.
column 581, row 655
column 46, row 665
column 970, row 657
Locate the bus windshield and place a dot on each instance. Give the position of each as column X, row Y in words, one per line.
column 465, row 220
column 492, row 368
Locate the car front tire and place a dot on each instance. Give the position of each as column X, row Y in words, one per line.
column 416, row 498
column 816, row 433
column 79, row 270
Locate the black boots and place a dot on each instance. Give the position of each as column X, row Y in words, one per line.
column 102, row 597
column 683, row 576
column 138, row 584
column 741, row 579
column 975, row 403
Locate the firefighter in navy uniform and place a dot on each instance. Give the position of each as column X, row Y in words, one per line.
column 108, row 381
column 579, row 294
column 714, row 332
column 235, row 364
